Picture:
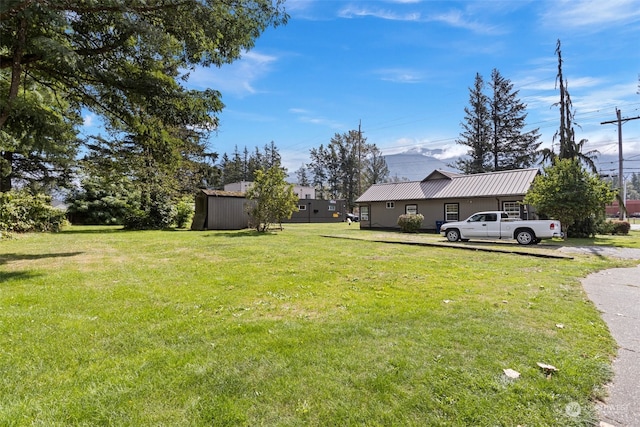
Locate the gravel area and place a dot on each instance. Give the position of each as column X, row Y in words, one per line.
column 625, row 253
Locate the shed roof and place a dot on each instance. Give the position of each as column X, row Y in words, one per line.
column 448, row 185
column 221, row 193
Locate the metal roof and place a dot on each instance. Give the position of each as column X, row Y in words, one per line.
column 221, row 193
column 449, row 185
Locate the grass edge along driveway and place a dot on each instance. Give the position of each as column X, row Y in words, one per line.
column 106, row 327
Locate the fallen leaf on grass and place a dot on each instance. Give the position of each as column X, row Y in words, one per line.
column 548, row 370
column 511, row 373
column 546, row 367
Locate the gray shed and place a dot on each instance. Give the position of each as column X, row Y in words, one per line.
column 220, row 210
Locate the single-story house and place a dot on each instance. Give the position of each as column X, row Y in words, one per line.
column 446, row 196
column 220, row 210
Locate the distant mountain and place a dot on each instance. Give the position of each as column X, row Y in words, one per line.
column 414, row 165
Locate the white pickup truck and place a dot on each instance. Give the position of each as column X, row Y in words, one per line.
column 498, row 225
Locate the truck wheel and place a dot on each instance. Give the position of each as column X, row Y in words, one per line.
column 453, row 235
column 525, row 237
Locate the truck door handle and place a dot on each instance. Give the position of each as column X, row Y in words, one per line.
column 484, row 225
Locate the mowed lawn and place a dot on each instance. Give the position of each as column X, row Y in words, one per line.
column 100, row 326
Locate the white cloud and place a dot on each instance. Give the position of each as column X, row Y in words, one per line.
column 239, row 78
column 457, row 19
column 453, row 18
column 306, row 116
column 438, row 149
column 591, row 13
column 353, row 11
column 451, row 151
column 400, row 75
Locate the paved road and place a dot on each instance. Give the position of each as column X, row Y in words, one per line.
column 616, row 293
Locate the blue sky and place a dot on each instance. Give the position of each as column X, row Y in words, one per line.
column 403, row 68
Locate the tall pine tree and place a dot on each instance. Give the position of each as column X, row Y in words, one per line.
column 511, row 148
column 493, row 129
column 476, row 130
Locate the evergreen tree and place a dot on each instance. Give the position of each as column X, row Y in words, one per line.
column 233, row 169
column 476, row 131
column 38, row 142
column 243, row 166
column 511, row 148
column 493, row 129
column 340, row 169
column 271, row 156
column 256, row 162
column 302, row 178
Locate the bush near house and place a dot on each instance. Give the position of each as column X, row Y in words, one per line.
column 410, row 223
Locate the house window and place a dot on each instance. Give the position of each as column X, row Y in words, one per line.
column 391, row 205
column 512, row 209
column 451, row 212
column 411, row 209
column 332, row 208
column 364, row 213
column 302, row 207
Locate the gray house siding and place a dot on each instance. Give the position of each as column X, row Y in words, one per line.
column 314, row 210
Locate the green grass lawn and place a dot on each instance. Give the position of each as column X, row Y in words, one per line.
column 179, row 328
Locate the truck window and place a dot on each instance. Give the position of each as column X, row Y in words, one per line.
column 491, row 217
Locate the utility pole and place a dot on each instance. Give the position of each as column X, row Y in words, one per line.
column 619, row 121
column 359, row 158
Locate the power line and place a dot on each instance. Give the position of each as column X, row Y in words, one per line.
column 619, row 121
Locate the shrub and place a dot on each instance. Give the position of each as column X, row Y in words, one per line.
column 620, row 227
column 21, row 212
column 102, row 202
column 605, row 228
column 614, row 227
column 184, row 212
column 586, row 227
column 158, row 213
column 410, row 223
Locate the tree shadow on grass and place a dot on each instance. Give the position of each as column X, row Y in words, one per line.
column 240, row 233
column 105, row 230
column 17, row 275
column 7, row 258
